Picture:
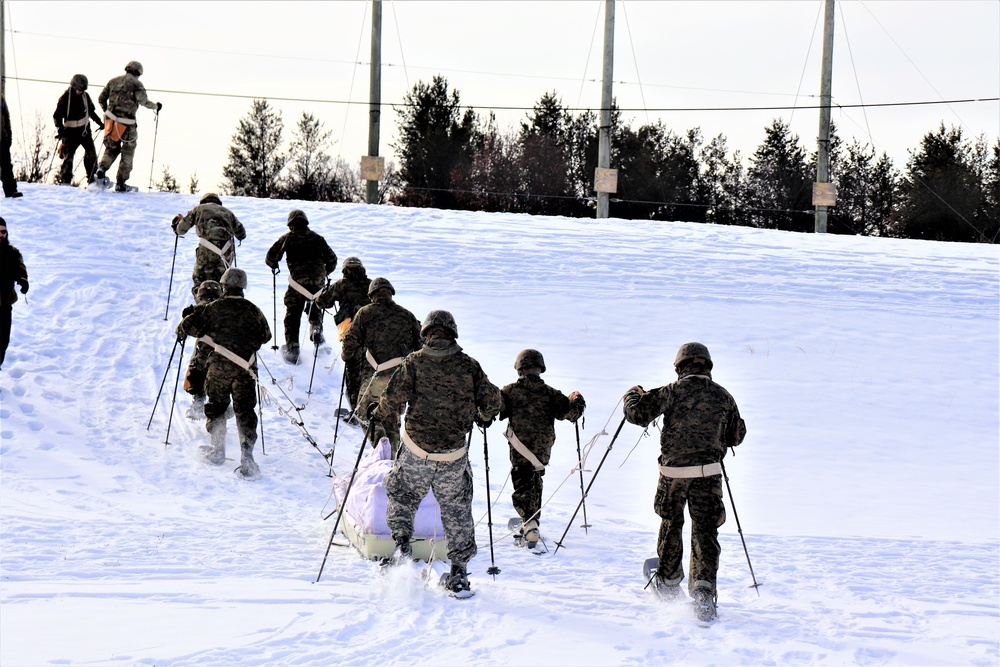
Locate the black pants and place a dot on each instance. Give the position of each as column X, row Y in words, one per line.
column 7, row 170
column 70, row 144
column 5, row 317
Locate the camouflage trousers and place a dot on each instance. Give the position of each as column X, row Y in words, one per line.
column 372, row 389
column 527, row 483
column 207, row 266
column 295, row 303
column 224, row 380
column 194, row 377
column 352, row 379
column 703, row 497
column 125, row 148
column 407, row 484
column 70, row 144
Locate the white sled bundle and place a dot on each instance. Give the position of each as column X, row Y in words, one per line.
column 363, row 518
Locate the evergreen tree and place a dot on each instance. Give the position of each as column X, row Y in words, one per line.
column 436, row 141
column 255, row 160
column 494, row 180
column 167, row 182
column 866, row 192
column 546, row 159
column 941, row 193
column 721, row 183
column 310, row 168
column 779, row 189
column 193, row 183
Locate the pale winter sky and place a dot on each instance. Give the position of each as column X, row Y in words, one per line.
column 206, row 61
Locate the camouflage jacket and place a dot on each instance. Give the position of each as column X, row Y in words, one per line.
column 350, row 293
column 442, row 389
column 73, row 107
column 212, row 222
column 310, row 260
column 532, row 408
column 700, row 419
column 12, row 270
column 123, row 96
column 232, row 322
column 385, row 329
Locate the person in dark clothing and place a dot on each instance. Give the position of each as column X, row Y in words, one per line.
column 11, row 271
column 72, row 117
column 6, row 141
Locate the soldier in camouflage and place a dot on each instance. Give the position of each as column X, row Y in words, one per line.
column 120, row 100
column 443, row 391
column 217, row 229
column 351, row 294
column 380, row 336
column 236, row 329
column 531, row 408
column 700, row 420
column 194, row 378
column 310, row 260
column 72, row 117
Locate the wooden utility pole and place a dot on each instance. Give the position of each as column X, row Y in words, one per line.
column 605, row 180
column 375, row 170
column 824, row 193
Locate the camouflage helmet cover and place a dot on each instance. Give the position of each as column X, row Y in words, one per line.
column 529, row 359
column 234, row 278
column 135, row 67
column 79, row 81
column 690, row 351
column 297, row 217
column 439, row 318
column 353, row 262
column 380, row 283
column 209, row 290
column 210, row 197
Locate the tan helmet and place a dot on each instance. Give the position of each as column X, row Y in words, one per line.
column 529, row 359
column 234, row 278
column 380, row 283
column 439, row 318
column 210, row 197
column 135, row 67
column 689, row 351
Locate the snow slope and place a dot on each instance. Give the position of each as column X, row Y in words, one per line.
column 867, row 488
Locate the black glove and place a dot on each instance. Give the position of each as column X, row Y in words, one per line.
column 159, row 105
column 61, row 132
column 173, row 223
column 23, row 282
column 187, row 310
column 370, row 411
column 480, row 421
column 275, row 270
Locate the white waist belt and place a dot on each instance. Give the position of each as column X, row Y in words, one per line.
column 521, row 449
column 205, row 243
column 228, row 354
column 76, row 123
column 427, row 456
column 302, row 290
column 123, row 121
column 385, row 365
column 685, row 472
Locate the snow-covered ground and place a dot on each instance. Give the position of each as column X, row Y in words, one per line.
column 867, row 488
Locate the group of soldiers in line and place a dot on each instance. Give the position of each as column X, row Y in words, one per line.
column 120, row 101
column 394, row 363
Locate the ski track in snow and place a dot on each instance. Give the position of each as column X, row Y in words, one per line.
column 871, row 548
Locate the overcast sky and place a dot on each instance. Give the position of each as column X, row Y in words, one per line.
column 206, row 61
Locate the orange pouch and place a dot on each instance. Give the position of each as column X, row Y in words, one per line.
column 114, row 129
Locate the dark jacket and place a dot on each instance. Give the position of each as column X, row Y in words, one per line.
column 73, row 111
column 12, row 271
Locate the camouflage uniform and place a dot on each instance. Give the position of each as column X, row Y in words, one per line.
column 442, row 389
column 239, row 326
column 532, row 407
column 120, row 100
column 310, row 260
column 72, row 116
column 351, row 293
column 700, row 420
column 387, row 331
column 216, row 224
column 194, row 377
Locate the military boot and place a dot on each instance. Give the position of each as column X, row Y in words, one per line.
column 531, row 534
column 704, row 604
column 248, row 467
column 457, row 581
column 216, row 452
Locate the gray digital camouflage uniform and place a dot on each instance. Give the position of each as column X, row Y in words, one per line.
column 121, row 99
column 388, row 331
column 442, row 389
column 350, row 293
column 239, row 326
column 700, row 420
column 531, row 408
column 310, row 260
column 216, row 224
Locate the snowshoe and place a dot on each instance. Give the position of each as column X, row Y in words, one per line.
column 290, row 354
column 197, row 409
column 704, row 604
column 662, row 590
column 456, row 582
column 101, row 183
column 537, row 546
column 122, row 187
column 401, row 554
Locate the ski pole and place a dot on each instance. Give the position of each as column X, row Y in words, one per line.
column 592, row 480
column 152, row 162
column 340, row 404
column 170, row 420
column 163, row 382
column 274, row 301
column 583, row 495
column 170, row 287
column 492, row 569
column 739, row 528
column 347, row 493
column 312, row 374
column 260, row 414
